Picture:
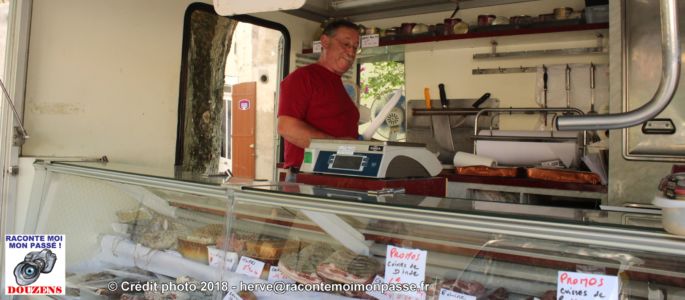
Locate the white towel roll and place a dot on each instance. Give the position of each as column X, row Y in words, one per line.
column 463, row 159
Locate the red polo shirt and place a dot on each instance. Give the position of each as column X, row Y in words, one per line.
column 316, row 96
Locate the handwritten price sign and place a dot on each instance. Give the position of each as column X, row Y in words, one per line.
column 404, row 265
column 572, row 285
column 232, row 296
column 221, row 259
column 250, row 267
column 446, row 294
column 276, row 275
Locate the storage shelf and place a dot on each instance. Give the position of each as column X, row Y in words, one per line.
column 533, row 30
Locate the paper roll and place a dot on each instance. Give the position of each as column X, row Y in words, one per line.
column 522, row 153
column 463, row 159
column 121, row 251
column 380, row 118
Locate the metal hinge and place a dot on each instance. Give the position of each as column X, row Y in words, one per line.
column 13, row 170
column 19, row 138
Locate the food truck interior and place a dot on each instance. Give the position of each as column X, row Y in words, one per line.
column 511, row 139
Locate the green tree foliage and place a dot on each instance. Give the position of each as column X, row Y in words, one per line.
column 378, row 79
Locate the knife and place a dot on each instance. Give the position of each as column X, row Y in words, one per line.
column 443, row 95
column 545, row 77
column 427, row 96
column 480, row 100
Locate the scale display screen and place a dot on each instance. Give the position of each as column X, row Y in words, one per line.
column 347, row 162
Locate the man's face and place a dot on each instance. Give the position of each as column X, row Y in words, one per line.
column 341, row 49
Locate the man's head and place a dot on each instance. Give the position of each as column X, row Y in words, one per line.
column 340, row 41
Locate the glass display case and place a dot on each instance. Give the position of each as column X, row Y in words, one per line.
column 253, row 240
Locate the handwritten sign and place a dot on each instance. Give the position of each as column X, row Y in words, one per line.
column 404, row 265
column 587, row 286
column 371, row 40
column 316, row 47
column 446, row 294
column 232, row 296
column 250, row 267
column 218, row 258
column 276, row 275
column 408, row 296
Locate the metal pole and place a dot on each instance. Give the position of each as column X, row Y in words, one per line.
column 16, row 114
column 670, row 74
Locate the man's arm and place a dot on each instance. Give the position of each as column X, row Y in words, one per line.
column 298, row 132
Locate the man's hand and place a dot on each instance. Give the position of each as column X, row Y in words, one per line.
column 298, row 132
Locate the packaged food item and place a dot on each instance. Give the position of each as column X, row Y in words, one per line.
column 345, row 266
column 563, row 176
column 499, row 294
column 247, row 295
column 194, row 245
column 301, row 266
column 472, row 288
column 160, row 233
column 488, row 171
column 134, row 215
column 269, row 249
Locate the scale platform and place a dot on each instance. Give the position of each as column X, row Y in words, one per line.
column 371, row 159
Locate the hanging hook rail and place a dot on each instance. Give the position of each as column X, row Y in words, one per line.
column 599, row 49
column 500, row 70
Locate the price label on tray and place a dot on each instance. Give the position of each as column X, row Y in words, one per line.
column 232, row 296
column 250, row 267
column 378, row 294
column 572, row 285
column 218, row 258
column 404, row 265
column 446, row 294
column 276, row 275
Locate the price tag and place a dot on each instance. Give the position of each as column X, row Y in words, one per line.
column 404, row 265
column 377, row 294
column 250, row 267
column 446, row 294
column 232, row 296
column 346, row 150
column 572, row 285
column 276, row 275
column 218, row 258
column 316, row 47
column 371, row 40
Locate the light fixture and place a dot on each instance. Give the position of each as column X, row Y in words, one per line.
column 348, row 4
column 237, row 7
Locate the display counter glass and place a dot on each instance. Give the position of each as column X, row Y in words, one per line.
column 295, row 241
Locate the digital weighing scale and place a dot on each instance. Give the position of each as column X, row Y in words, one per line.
column 374, row 159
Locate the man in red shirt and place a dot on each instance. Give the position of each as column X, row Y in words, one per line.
column 313, row 102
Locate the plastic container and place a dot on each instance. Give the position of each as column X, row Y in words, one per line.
column 672, row 214
column 597, row 14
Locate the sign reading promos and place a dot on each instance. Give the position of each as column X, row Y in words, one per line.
column 572, row 285
column 404, row 265
column 34, row 264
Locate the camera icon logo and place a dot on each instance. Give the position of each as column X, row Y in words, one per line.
column 35, row 262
